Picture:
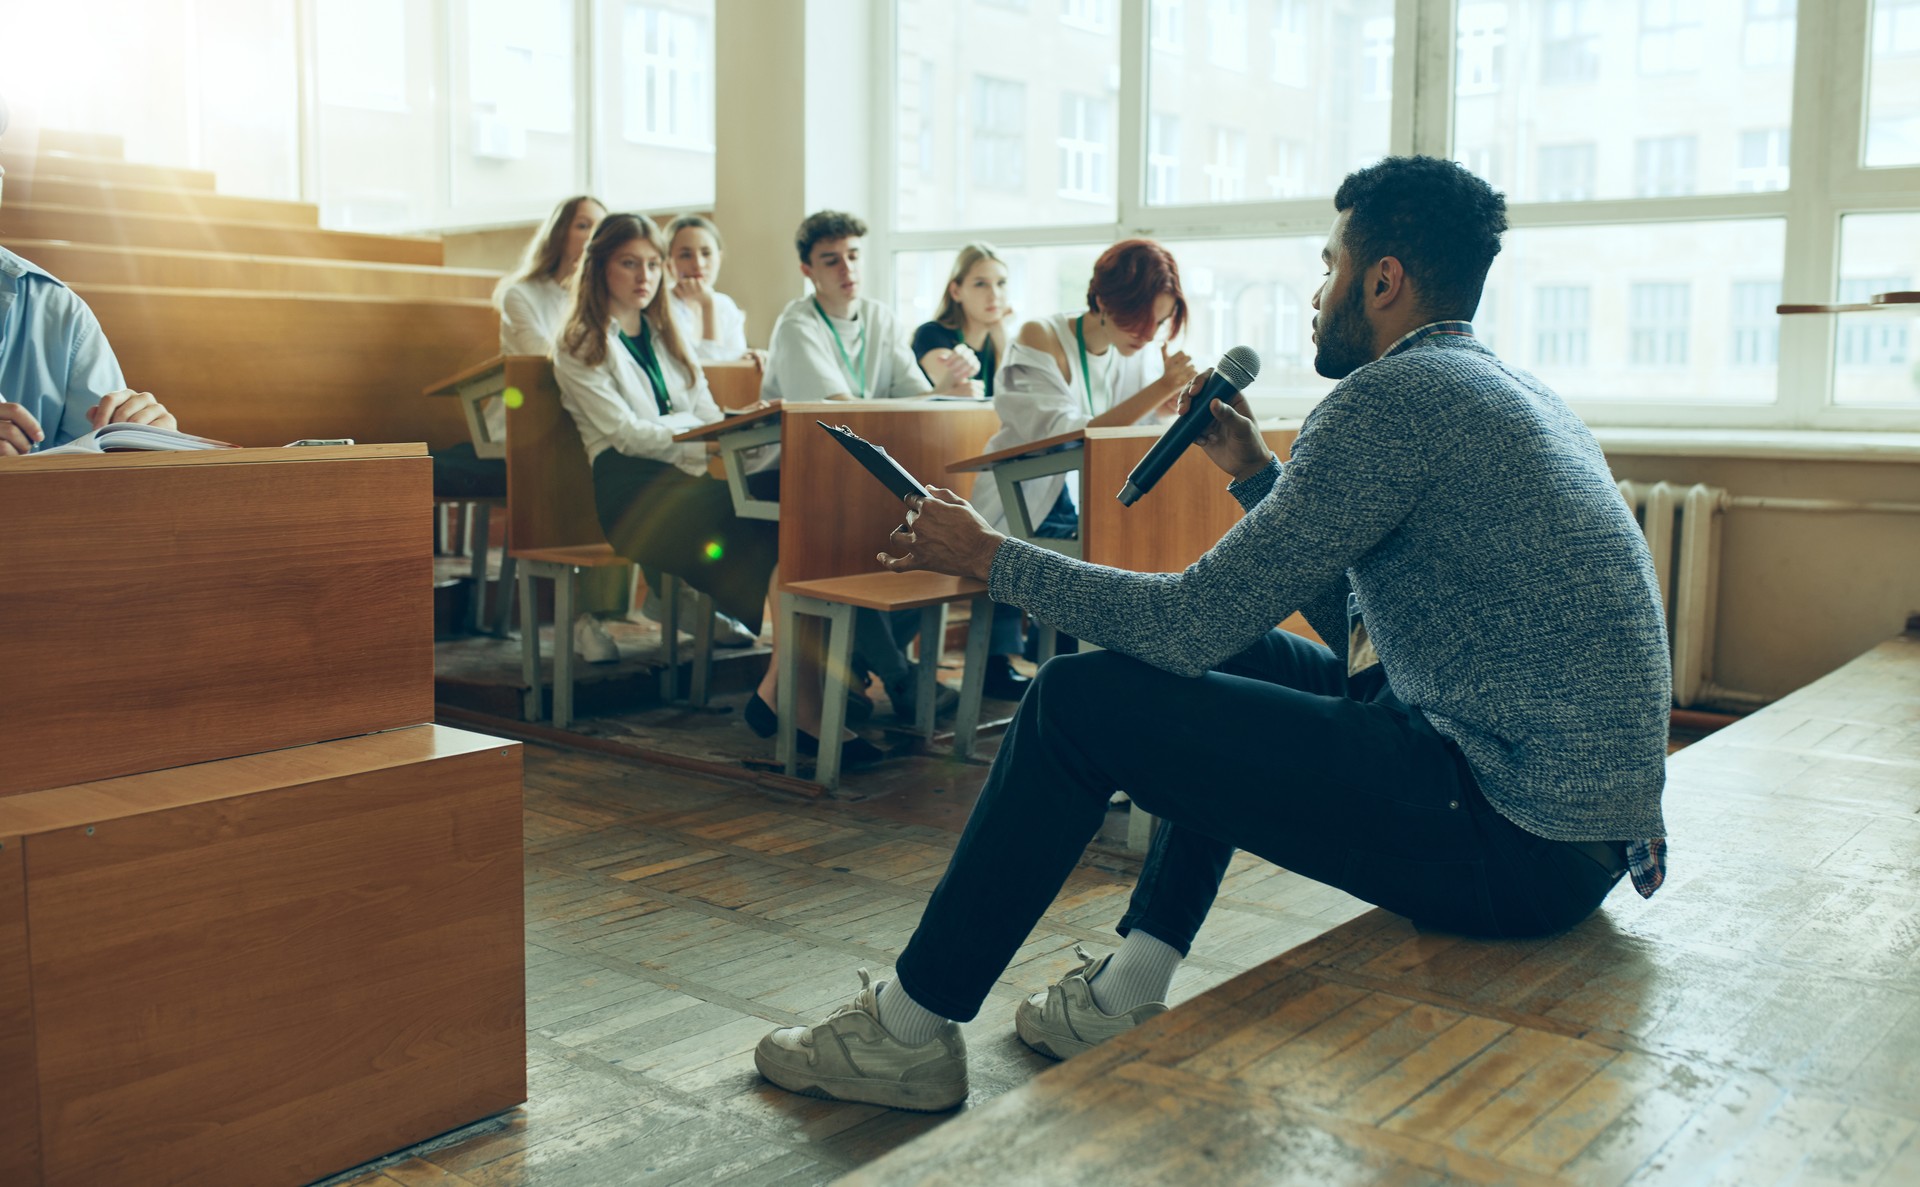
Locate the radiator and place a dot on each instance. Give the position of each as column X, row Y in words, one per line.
column 1682, row 525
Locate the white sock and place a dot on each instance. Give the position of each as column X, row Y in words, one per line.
column 1140, row 972
column 904, row 1018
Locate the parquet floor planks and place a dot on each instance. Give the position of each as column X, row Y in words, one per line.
column 672, row 920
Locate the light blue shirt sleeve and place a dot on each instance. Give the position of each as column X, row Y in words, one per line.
column 54, row 358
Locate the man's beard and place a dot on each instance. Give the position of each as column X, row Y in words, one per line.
column 1346, row 336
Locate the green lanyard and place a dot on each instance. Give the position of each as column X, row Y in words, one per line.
column 1086, row 374
column 859, row 378
column 642, row 352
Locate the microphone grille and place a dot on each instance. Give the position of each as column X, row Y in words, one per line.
column 1239, row 366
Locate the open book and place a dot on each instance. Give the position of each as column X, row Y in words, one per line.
column 126, row 436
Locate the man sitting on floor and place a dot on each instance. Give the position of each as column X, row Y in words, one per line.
column 1482, row 747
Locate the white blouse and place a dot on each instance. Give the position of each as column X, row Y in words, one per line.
column 614, row 408
column 729, row 323
column 530, row 315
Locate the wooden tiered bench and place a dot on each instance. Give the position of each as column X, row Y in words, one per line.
column 1758, row 1020
column 250, row 322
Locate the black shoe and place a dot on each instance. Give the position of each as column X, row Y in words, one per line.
column 1003, row 682
column 903, row 694
column 855, row 752
column 762, row 720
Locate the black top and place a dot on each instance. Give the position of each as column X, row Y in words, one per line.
column 932, row 336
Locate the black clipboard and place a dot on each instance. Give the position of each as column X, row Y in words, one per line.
column 877, row 461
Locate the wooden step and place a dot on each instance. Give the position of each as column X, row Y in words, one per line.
column 92, row 144
column 22, row 166
column 26, row 220
column 45, row 189
column 153, row 267
column 268, row 368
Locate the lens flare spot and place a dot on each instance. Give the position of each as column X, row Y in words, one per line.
column 513, row 397
column 714, row 551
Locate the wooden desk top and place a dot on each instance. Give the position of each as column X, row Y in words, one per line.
column 198, row 783
column 986, row 461
column 728, row 424
column 132, row 459
column 889, row 591
column 450, row 386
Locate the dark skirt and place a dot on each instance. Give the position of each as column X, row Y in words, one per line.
column 660, row 516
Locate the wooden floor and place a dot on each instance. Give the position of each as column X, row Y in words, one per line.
column 1756, row 1022
column 672, row 920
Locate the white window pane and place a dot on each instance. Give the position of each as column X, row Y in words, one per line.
column 1257, row 293
column 1664, row 312
column 1893, row 92
column 1874, row 355
column 1596, row 99
column 510, row 117
column 654, row 108
column 1046, row 75
column 377, row 130
column 1310, row 101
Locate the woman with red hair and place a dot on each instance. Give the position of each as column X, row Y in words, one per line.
column 1072, row 370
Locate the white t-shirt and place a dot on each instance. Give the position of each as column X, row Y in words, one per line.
column 730, row 326
column 805, row 363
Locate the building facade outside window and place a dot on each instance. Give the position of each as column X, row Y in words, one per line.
column 999, row 133
column 1083, row 147
column 1560, row 325
column 1664, row 166
column 1659, row 327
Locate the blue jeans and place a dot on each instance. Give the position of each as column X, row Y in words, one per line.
column 1274, row 752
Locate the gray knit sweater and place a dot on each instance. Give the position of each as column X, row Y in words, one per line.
column 1502, row 579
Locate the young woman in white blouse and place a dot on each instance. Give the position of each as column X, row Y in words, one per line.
column 533, row 299
column 1097, row 367
column 631, row 383
column 708, row 317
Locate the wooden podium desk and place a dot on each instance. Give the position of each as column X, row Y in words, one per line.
column 259, row 920
column 833, row 516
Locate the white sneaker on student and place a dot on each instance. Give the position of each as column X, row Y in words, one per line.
column 852, row 1057
column 592, row 642
column 1062, row 1020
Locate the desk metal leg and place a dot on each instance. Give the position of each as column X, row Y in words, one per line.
column 833, row 704
column 563, row 646
column 503, row 590
column 529, row 649
column 787, row 684
column 702, row 649
column 1049, row 643
column 933, row 634
column 973, row 682
column 1140, row 826
column 670, row 637
column 482, row 524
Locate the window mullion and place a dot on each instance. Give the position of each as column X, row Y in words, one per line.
column 1423, row 70
column 1131, row 127
column 1822, row 91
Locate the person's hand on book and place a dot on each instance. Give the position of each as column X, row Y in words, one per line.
column 19, row 431
column 943, row 534
column 127, row 406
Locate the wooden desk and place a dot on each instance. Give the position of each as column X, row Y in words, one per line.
column 480, row 390
column 734, row 437
column 169, row 608
column 836, row 517
column 1062, row 454
column 1174, row 524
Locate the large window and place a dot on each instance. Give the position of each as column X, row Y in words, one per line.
column 999, row 133
column 1648, row 151
column 655, row 95
column 512, row 115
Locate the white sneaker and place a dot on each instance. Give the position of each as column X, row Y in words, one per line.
column 1063, row 1020
column 592, row 642
column 727, row 630
column 852, row 1057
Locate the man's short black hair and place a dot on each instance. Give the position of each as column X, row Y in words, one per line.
column 824, row 225
column 1440, row 221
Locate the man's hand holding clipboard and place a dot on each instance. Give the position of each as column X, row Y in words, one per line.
column 943, row 533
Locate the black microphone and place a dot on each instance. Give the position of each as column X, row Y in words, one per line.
column 1235, row 370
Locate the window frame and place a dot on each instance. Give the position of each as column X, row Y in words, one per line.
column 1827, row 182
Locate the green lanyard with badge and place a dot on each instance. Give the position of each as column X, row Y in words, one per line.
column 857, row 378
column 642, row 352
column 1086, row 373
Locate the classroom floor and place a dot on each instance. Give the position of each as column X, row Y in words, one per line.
column 673, row 918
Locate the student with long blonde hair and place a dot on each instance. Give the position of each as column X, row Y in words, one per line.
column 974, row 312
column 533, row 298
column 708, row 318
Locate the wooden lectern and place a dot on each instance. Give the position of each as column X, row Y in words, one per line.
column 260, row 919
